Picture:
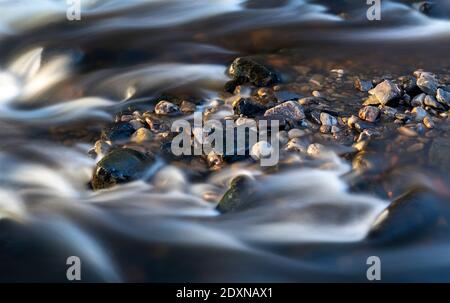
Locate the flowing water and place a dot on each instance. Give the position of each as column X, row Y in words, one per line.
column 61, row 82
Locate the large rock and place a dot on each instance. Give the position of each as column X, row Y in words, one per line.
column 407, row 217
column 386, row 92
column 119, row 166
column 245, row 70
column 443, row 96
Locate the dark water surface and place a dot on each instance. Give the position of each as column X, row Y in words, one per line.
column 61, row 82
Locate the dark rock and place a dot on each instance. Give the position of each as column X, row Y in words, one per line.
column 363, row 85
column 119, row 166
column 247, row 107
column 407, row 217
column 245, row 70
column 386, row 92
column 238, row 196
column 409, row 85
column 119, row 132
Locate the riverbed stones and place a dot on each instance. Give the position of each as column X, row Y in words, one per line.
column 386, row 92
column 119, row 166
column 290, row 110
column 369, row 113
column 166, row 108
column 246, row 70
column 427, row 83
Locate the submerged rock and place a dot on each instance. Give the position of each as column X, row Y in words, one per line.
column 408, row 216
column 386, row 92
column 119, row 166
column 245, row 70
column 119, row 132
column 238, row 196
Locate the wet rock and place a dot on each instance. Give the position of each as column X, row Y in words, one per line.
column 119, row 133
column 439, row 153
column 427, row 83
column 261, row 149
column 420, row 113
column 284, row 95
column 238, row 196
column 425, row 7
column 187, row 107
column 215, row 160
column 443, row 97
column 101, row 148
column 119, row 166
column 327, row 119
column 245, row 70
column 352, row 120
column 371, row 100
column 386, row 92
column 389, row 111
column 142, row 135
column 363, row 85
column 361, row 126
column 230, row 86
column 325, row 129
column 428, row 122
column 407, row 217
column 409, row 85
column 432, row 102
column 166, row 108
column 247, row 107
column 418, row 100
column 369, row 113
column 290, row 110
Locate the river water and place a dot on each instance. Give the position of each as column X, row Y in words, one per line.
column 61, row 82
